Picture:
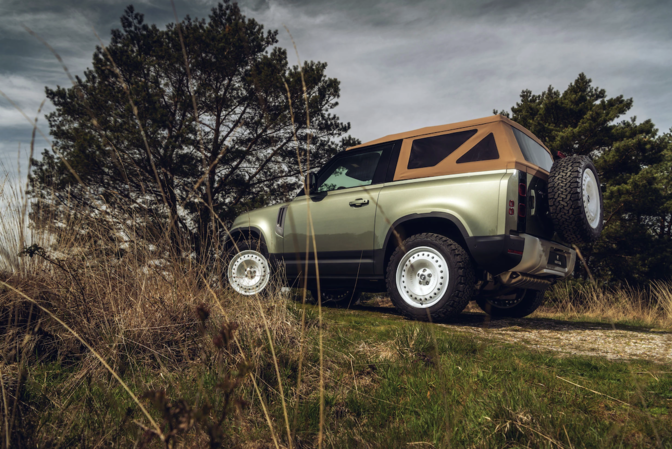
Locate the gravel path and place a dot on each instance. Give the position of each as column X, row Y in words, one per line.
column 571, row 337
column 602, row 340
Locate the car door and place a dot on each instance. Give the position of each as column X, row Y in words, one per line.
column 343, row 209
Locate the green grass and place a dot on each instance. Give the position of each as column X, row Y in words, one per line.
column 389, row 383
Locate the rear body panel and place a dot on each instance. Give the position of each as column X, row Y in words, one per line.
column 471, row 198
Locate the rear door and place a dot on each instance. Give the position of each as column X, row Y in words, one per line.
column 343, row 211
column 533, row 190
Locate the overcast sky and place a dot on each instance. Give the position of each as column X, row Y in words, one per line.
column 402, row 64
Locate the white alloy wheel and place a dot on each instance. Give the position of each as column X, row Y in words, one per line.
column 591, row 198
column 249, row 272
column 422, row 277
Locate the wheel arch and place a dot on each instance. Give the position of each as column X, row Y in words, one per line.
column 441, row 223
column 246, row 232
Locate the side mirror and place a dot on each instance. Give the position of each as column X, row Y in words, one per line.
column 310, row 181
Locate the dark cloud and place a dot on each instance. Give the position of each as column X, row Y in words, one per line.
column 405, row 65
column 402, row 64
column 27, row 66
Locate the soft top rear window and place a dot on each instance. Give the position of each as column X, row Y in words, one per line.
column 532, row 151
column 485, row 150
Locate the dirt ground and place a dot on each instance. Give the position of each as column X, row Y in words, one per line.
column 603, row 340
column 577, row 338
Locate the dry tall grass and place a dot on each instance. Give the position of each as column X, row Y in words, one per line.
column 128, row 300
column 646, row 305
column 124, row 304
column 12, row 228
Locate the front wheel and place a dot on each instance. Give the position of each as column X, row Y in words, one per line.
column 249, row 270
column 430, row 277
column 517, row 304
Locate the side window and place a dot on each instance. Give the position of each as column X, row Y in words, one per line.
column 484, row 150
column 532, row 151
column 350, row 171
column 430, row 151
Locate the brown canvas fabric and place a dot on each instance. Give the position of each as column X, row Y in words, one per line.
column 510, row 155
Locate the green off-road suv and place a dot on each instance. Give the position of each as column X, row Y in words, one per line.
column 436, row 217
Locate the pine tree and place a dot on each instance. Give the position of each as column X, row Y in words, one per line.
column 129, row 138
column 634, row 164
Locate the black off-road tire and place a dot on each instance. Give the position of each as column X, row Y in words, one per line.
column 530, row 302
column 566, row 203
column 461, row 279
column 336, row 298
column 258, row 245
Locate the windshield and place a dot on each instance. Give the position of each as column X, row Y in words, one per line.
column 532, row 151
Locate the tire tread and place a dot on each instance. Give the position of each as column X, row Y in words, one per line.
column 531, row 302
column 565, row 200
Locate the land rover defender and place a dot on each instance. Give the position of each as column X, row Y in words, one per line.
column 437, row 217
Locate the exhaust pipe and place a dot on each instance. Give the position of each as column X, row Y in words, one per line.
column 518, row 280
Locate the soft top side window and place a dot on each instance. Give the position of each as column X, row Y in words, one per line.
column 532, row 151
column 429, row 151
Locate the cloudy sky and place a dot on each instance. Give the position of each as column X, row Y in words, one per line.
column 402, row 64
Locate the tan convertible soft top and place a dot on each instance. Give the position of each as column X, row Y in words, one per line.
column 510, row 155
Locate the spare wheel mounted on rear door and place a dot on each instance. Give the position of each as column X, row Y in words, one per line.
column 575, row 200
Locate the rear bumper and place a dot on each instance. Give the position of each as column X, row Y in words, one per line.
column 544, row 258
column 496, row 253
column 521, row 254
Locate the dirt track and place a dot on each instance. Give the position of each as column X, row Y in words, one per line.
column 602, row 340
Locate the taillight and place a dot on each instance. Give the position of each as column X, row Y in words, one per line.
column 521, row 210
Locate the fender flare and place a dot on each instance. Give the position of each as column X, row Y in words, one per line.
column 235, row 234
column 380, row 260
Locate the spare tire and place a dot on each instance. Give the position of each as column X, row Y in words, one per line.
column 575, row 200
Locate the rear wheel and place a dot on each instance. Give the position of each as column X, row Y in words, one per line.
column 430, row 277
column 518, row 304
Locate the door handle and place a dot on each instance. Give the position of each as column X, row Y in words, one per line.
column 359, row 202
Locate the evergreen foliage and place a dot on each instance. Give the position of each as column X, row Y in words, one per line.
column 634, row 162
column 129, row 133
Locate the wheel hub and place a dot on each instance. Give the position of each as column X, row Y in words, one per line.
column 422, row 277
column 248, row 272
